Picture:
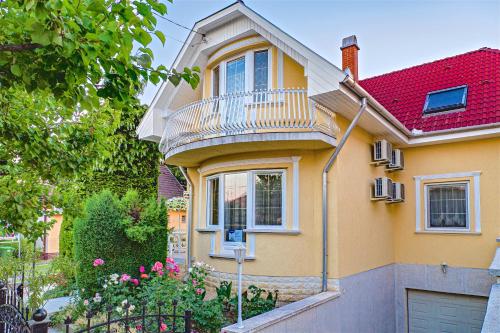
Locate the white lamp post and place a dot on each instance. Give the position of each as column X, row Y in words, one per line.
column 239, row 254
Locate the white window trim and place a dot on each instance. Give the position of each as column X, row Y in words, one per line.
column 209, row 223
column 427, row 209
column 253, row 224
column 475, row 175
column 249, row 70
column 226, row 248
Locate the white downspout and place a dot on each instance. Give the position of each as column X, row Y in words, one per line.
column 326, row 169
column 189, row 215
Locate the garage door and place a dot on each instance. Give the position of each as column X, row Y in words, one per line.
column 440, row 312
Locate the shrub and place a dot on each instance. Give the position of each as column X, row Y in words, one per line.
column 66, row 237
column 123, row 234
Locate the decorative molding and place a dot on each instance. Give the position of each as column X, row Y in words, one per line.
column 296, row 192
column 271, row 160
column 200, row 197
column 449, row 175
column 235, row 46
column 272, row 231
column 477, row 202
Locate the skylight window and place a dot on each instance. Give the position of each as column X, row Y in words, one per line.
column 445, row 100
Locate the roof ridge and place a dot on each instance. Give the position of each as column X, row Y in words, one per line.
column 482, row 49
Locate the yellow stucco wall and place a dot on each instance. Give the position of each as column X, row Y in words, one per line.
column 465, row 250
column 363, row 234
column 53, row 234
column 177, row 220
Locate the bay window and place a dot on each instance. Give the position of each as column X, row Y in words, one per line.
column 245, row 200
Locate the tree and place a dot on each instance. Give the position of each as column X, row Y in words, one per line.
column 68, row 73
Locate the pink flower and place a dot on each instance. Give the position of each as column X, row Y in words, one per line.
column 144, row 276
column 199, row 291
column 125, row 278
column 86, row 302
column 138, row 327
column 195, row 283
column 98, row 262
column 135, row 282
column 157, row 267
column 142, row 269
column 170, row 261
column 163, row 327
column 160, row 273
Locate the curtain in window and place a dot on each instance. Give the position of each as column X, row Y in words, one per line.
column 448, row 206
column 235, row 206
column 213, row 188
column 268, row 199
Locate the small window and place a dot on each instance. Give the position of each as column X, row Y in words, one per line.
column 445, row 100
column 213, row 201
column 183, row 218
column 268, row 199
column 235, row 76
column 260, row 71
column 447, row 206
column 216, row 79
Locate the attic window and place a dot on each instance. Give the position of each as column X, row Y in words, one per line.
column 445, row 100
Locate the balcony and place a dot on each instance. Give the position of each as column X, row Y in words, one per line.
column 258, row 116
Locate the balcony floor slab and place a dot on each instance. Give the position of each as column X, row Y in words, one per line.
column 192, row 154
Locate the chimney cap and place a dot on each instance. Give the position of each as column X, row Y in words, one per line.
column 349, row 41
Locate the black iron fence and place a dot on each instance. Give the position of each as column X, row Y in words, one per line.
column 140, row 321
column 14, row 315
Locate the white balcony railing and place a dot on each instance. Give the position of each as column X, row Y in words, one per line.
column 280, row 110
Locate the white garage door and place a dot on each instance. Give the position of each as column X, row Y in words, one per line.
column 439, row 312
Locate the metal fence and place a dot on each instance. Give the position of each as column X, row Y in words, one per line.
column 142, row 322
column 13, row 313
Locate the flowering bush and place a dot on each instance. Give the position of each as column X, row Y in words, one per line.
column 160, row 282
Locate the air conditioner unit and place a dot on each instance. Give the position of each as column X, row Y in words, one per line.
column 397, row 160
column 382, row 151
column 398, row 193
column 382, row 188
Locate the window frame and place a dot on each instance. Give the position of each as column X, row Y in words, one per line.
column 255, row 173
column 209, row 202
column 227, row 247
column 249, row 57
column 427, row 211
column 442, row 110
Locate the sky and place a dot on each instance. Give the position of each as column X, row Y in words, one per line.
column 391, row 34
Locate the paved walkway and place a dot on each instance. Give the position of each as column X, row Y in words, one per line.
column 55, row 304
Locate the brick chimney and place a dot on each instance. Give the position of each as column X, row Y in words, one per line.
column 350, row 55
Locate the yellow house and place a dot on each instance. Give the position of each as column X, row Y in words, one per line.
column 385, row 189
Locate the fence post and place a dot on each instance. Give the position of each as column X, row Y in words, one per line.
column 187, row 319
column 3, row 300
column 39, row 326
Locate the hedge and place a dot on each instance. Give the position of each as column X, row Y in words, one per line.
column 101, row 233
column 66, row 237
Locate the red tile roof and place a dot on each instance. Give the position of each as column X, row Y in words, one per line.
column 168, row 185
column 403, row 92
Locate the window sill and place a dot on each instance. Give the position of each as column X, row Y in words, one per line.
column 271, row 231
column 449, row 232
column 228, row 256
column 207, row 230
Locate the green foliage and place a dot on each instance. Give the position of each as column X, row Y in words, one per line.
column 66, row 237
column 100, row 233
column 131, row 164
column 69, row 75
column 82, row 51
column 177, row 203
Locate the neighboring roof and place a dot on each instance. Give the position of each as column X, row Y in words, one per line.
column 403, row 92
column 168, row 185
